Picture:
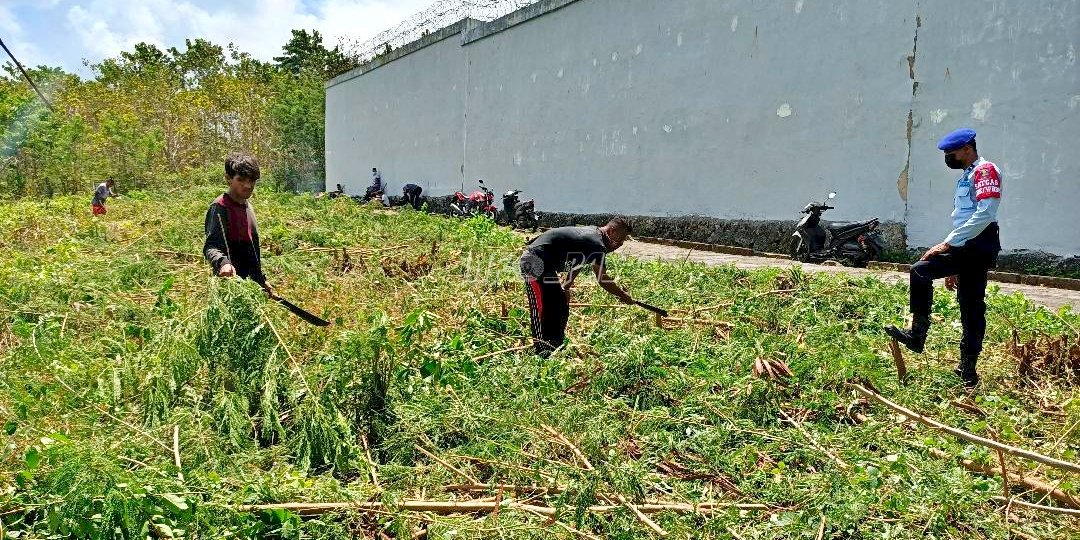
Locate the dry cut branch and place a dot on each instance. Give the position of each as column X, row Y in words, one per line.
column 898, row 358
column 566, row 442
column 1028, row 482
column 970, row 437
column 470, row 507
column 1042, row 508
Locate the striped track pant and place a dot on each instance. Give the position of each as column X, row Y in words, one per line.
column 549, row 310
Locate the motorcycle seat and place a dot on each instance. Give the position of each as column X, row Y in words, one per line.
column 839, row 228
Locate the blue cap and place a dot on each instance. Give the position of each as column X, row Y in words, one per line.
column 956, row 139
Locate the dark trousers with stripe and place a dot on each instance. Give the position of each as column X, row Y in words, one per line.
column 549, row 309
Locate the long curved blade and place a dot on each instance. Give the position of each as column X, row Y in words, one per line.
column 654, row 309
column 302, row 313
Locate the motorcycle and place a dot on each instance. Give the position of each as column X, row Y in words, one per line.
column 481, row 201
column 853, row 244
column 372, row 193
column 519, row 214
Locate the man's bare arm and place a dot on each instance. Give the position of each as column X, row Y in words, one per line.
column 609, row 285
column 570, row 277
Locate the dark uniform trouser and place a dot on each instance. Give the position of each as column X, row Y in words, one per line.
column 549, row 309
column 970, row 264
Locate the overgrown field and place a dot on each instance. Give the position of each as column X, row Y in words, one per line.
column 115, row 342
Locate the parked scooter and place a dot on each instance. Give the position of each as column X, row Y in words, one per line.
column 370, row 194
column 518, row 214
column 481, row 201
column 852, row 244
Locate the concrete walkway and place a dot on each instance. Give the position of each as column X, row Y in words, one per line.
column 1049, row 297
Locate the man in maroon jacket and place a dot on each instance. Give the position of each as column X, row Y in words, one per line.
column 232, row 235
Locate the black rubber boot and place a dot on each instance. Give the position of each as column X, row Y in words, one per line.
column 915, row 338
column 966, row 370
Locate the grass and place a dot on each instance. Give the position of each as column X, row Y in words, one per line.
column 113, row 337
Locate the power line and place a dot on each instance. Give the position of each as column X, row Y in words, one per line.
column 27, row 75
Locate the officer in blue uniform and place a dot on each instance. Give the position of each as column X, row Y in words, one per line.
column 964, row 258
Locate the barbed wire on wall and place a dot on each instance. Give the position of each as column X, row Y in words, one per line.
column 438, row 15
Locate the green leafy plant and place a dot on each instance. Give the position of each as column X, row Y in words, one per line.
column 143, row 398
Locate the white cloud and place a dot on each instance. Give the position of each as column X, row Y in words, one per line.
column 261, row 30
column 93, row 32
column 8, row 25
column 15, row 38
column 261, row 27
column 360, row 20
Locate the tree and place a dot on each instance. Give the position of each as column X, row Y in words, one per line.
column 298, row 114
column 199, row 61
column 305, row 53
column 154, row 118
column 298, row 108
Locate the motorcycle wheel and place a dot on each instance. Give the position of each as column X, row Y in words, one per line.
column 490, row 214
column 868, row 251
column 875, row 252
column 871, row 253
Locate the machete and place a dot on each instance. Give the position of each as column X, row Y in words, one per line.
column 302, row 313
column 654, row 309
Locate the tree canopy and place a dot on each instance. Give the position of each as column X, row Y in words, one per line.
column 152, row 118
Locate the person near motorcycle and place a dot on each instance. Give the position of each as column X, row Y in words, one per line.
column 566, row 249
column 964, row 258
column 376, row 189
column 411, row 193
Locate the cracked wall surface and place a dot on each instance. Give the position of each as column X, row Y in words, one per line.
column 718, row 113
column 1008, row 71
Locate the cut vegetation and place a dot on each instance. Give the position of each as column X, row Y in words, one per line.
column 142, row 398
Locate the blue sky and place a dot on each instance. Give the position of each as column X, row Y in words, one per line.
column 65, row 32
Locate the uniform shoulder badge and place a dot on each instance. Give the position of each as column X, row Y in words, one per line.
column 987, row 181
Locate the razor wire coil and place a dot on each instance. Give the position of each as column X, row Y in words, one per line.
column 438, row 15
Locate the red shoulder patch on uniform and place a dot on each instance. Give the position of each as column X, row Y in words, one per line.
column 987, row 181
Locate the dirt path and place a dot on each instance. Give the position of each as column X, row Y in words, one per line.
column 1051, row 298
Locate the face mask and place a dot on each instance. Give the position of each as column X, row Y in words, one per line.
column 952, row 162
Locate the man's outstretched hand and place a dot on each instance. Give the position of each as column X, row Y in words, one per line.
column 227, row 270
column 950, row 283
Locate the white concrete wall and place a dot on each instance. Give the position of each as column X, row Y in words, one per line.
column 1008, row 70
column 734, row 109
column 405, row 117
column 718, row 108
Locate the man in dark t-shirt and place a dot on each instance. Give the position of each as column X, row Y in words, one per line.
column 103, row 192
column 566, row 249
column 412, row 192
